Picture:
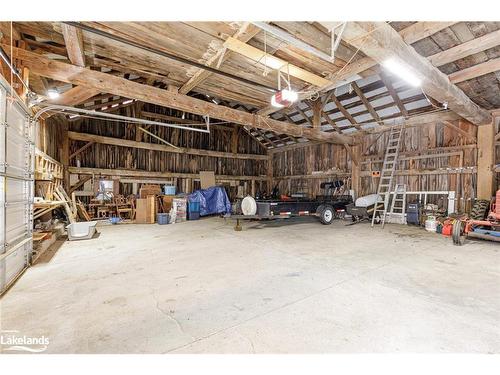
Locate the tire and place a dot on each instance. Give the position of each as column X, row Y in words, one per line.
column 457, row 233
column 480, row 210
column 326, row 215
column 319, row 209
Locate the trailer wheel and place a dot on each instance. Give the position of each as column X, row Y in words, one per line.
column 319, row 209
column 457, row 233
column 326, row 215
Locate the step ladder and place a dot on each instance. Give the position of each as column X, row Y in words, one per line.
column 397, row 214
column 387, row 173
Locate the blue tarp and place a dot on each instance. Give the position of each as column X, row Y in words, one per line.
column 213, row 200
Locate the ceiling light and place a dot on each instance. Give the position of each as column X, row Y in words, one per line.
column 402, row 71
column 53, row 93
column 284, row 98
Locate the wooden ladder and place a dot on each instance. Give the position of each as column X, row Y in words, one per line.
column 387, row 173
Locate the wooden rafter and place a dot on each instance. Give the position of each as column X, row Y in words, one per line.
column 466, row 49
column 73, row 39
column 393, row 93
column 380, row 41
column 365, row 101
column 75, row 96
column 411, row 34
column 246, row 32
column 346, row 113
column 123, row 87
column 489, row 66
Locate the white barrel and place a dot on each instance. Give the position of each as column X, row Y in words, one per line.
column 248, row 206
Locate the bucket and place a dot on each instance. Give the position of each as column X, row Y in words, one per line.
column 169, row 190
column 431, row 224
column 162, row 218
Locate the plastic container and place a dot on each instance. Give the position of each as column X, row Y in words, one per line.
column 431, row 224
column 162, row 218
column 169, row 190
column 81, row 231
column 194, row 215
column 194, row 206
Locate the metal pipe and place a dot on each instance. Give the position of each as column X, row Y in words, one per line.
column 63, row 108
column 168, row 55
column 14, row 70
column 281, row 34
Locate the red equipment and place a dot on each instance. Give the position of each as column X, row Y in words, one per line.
column 484, row 228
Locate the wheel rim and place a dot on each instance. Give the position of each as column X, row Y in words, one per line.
column 327, row 215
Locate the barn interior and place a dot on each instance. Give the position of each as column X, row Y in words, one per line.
column 198, row 187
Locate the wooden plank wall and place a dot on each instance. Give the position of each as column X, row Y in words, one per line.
column 450, row 167
column 294, row 169
column 116, row 157
column 49, row 137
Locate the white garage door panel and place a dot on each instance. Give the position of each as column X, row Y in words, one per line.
column 16, row 222
column 16, row 188
column 16, row 261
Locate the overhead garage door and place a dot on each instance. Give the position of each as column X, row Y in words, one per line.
column 16, row 187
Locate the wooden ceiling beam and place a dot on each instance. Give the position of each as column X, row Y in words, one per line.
column 149, row 94
column 478, row 70
column 380, row 41
column 73, row 38
column 411, row 34
column 246, row 32
column 365, row 101
column 274, row 62
column 393, row 93
column 75, row 96
column 421, row 30
column 466, row 49
column 346, row 113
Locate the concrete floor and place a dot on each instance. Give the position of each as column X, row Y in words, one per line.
column 200, row 287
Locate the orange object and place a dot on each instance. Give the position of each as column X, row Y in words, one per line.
column 447, row 229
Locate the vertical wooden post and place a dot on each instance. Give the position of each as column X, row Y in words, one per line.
column 356, row 170
column 270, row 173
column 317, row 107
column 485, row 160
column 65, row 154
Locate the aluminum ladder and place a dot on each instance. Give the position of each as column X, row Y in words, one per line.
column 387, row 173
column 398, row 205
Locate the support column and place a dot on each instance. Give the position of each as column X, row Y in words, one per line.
column 65, row 155
column 485, row 160
column 270, row 173
column 356, row 170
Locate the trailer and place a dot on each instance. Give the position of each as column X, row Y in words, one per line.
column 328, row 207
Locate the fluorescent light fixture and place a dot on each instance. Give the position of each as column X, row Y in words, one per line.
column 284, row 98
column 53, row 93
column 402, row 71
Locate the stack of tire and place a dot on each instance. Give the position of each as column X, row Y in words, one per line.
column 479, row 211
